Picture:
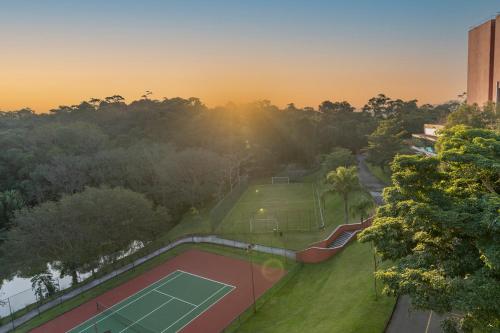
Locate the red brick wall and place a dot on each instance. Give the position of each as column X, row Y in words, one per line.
column 319, row 251
column 480, row 61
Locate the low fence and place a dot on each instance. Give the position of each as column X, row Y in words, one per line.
column 319, row 251
column 223, row 207
column 33, row 310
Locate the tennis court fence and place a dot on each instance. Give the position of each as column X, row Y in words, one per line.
column 24, row 306
column 223, row 207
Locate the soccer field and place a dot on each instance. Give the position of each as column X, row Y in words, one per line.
column 273, row 208
column 167, row 305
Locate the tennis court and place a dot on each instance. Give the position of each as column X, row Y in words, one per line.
column 167, row 305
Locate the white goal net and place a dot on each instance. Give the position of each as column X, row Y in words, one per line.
column 264, row 225
column 280, row 180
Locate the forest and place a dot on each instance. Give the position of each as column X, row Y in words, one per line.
column 81, row 183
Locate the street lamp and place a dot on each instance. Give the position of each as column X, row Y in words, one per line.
column 249, row 249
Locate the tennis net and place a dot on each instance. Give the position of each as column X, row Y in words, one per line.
column 132, row 325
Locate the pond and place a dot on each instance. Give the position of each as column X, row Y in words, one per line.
column 17, row 293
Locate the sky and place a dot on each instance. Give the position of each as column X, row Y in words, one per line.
column 302, row 51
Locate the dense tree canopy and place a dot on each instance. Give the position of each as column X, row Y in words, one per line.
column 81, row 230
column 174, row 153
column 440, row 227
column 385, row 142
column 475, row 116
column 336, row 158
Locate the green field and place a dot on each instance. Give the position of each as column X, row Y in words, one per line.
column 298, row 233
column 271, row 208
column 335, row 296
column 167, row 305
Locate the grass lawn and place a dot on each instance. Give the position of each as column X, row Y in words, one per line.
column 304, row 213
column 116, row 281
column 382, row 175
column 236, row 225
column 191, row 224
column 264, row 208
column 334, row 296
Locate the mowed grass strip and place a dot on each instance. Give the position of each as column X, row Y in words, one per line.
column 333, row 296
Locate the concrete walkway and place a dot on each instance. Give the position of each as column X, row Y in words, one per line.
column 406, row 320
column 369, row 181
column 210, row 239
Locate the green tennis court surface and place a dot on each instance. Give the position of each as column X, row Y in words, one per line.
column 164, row 306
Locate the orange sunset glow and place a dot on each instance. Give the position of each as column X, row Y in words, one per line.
column 301, row 54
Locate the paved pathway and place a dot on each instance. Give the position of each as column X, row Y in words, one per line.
column 369, row 181
column 404, row 319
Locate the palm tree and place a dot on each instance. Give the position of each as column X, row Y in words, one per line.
column 362, row 208
column 344, row 181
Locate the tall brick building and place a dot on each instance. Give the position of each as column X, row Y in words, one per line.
column 483, row 72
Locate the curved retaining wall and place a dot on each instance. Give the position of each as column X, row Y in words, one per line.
column 319, row 251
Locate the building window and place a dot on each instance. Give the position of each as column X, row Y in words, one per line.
column 498, row 94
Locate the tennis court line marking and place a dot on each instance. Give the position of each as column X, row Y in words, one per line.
column 202, row 277
column 146, row 315
column 215, row 293
column 173, row 297
column 123, row 300
column 229, row 291
column 181, row 300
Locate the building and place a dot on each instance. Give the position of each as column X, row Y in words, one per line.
column 424, row 143
column 483, row 68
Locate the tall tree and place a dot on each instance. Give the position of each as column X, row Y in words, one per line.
column 385, row 142
column 332, row 107
column 344, row 181
column 378, row 106
column 440, row 229
column 336, row 158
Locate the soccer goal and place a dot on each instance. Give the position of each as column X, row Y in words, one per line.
column 280, row 180
column 264, row 225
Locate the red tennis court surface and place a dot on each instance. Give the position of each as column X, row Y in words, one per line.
column 213, row 266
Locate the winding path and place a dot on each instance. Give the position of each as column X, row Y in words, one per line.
column 369, row 181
